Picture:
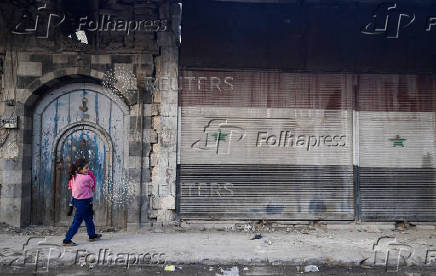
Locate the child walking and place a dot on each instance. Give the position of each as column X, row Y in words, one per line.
column 82, row 186
column 70, row 185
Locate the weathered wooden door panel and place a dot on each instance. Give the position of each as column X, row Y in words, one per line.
column 83, row 143
column 78, row 120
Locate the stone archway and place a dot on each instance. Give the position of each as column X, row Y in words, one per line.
column 68, row 114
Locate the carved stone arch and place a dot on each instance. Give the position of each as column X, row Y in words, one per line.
column 51, row 79
column 57, row 78
column 64, row 89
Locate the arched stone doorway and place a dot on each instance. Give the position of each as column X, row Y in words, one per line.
column 73, row 121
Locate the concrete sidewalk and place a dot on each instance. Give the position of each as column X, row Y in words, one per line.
column 302, row 245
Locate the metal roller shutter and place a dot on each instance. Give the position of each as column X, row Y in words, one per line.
column 268, row 146
column 397, row 147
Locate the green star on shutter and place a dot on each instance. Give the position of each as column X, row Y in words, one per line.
column 398, row 141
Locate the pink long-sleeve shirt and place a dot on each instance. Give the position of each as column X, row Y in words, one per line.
column 70, row 183
column 82, row 186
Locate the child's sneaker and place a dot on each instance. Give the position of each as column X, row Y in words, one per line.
column 96, row 237
column 68, row 243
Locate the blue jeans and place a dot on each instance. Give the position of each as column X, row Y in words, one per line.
column 72, row 203
column 83, row 213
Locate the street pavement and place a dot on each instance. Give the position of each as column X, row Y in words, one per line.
column 242, row 250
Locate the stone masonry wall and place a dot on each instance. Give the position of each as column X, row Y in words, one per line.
column 28, row 73
column 164, row 153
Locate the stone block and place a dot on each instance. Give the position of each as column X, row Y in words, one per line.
column 155, row 203
column 165, row 215
column 156, row 122
column 10, row 164
column 10, row 149
column 147, row 97
column 25, row 81
column 30, row 69
column 101, row 67
column 169, row 122
column 150, row 136
column 168, row 109
column 47, row 77
column 97, row 74
column 134, row 174
column 60, row 59
column 156, row 148
column 152, row 214
column 24, row 56
column 67, row 71
column 12, row 176
column 118, row 67
column 43, row 58
column 135, row 148
column 11, row 190
column 122, row 59
column 146, row 59
column 148, row 109
column 168, row 202
column 154, row 159
column 146, row 175
column 148, row 188
column 101, row 59
column 134, row 161
column 135, row 123
column 19, row 109
column 156, row 96
column 168, row 138
column 155, row 175
column 23, row 95
column 10, row 211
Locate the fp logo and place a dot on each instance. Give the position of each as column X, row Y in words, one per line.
column 218, row 137
column 388, row 20
column 39, row 254
column 390, row 253
column 40, row 24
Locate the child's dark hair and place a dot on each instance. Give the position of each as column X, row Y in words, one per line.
column 77, row 166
